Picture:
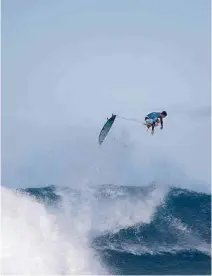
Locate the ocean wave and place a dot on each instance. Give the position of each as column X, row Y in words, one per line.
column 80, row 230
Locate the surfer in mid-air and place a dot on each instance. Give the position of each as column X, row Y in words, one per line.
column 151, row 120
column 154, row 118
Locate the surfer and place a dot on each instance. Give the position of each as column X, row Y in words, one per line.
column 154, row 118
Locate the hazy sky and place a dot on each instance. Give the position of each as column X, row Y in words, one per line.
column 71, row 64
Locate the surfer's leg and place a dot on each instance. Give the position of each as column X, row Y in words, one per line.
column 148, row 122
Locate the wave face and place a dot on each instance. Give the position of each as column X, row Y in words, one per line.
column 106, row 230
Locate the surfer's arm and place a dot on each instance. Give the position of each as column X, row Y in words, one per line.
column 161, row 122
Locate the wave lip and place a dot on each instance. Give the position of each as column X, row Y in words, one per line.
column 178, row 235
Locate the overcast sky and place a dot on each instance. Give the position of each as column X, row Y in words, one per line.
column 67, row 65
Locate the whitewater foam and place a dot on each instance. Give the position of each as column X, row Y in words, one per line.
column 33, row 242
column 110, row 214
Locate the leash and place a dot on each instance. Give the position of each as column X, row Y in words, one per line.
column 130, row 119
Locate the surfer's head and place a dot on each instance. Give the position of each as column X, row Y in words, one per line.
column 163, row 114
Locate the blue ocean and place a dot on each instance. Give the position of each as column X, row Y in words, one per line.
column 118, row 230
